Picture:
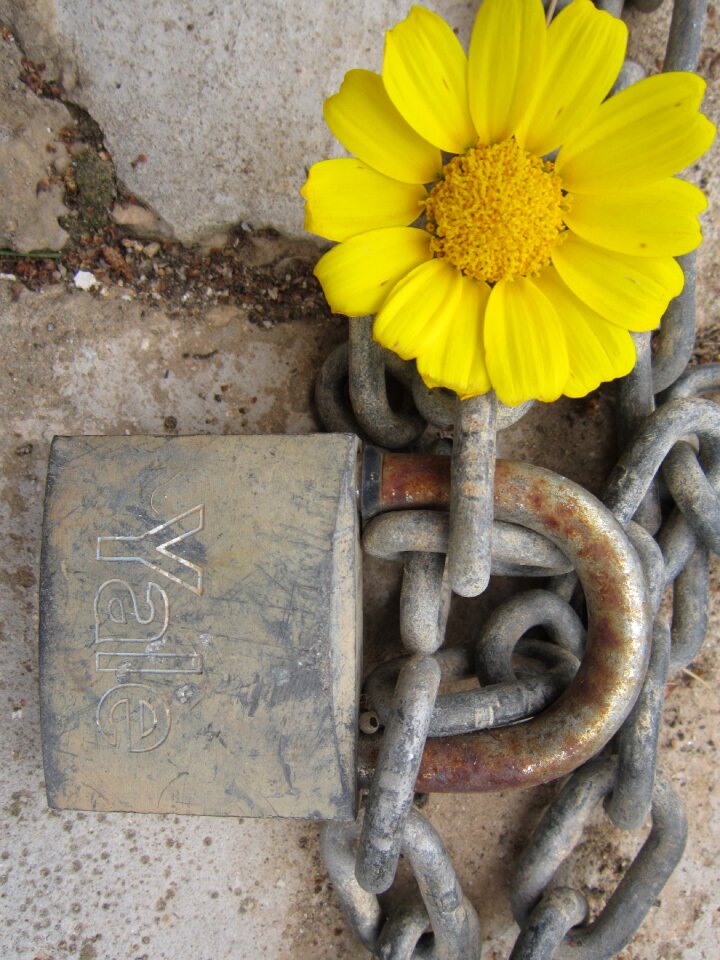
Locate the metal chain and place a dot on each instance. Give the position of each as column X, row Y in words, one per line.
column 522, row 522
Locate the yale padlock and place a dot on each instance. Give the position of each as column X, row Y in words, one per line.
column 200, row 625
column 200, row 622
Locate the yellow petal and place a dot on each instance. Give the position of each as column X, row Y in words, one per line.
column 415, row 313
column 425, row 75
column 456, row 360
column 346, row 197
column 656, row 221
column 631, row 292
column 364, row 120
column 357, row 275
column 585, row 51
column 507, row 50
column 647, row 132
column 597, row 350
column 525, row 347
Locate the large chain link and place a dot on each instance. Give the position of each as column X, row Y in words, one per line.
column 591, row 698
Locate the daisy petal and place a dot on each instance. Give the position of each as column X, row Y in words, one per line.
column 364, row 120
column 357, row 275
column 425, row 75
column 647, row 132
column 597, row 350
column 525, row 347
column 631, row 292
column 507, row 50
column 417, row 309
column 346, row 197
column 656, row 221
column 585, row 51
column 456, row 360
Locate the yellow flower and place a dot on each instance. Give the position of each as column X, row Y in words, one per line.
column 524, row 274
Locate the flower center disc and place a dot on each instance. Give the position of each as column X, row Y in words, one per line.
column 497, row 213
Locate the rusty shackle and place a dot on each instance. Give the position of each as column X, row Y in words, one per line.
column 590, row 711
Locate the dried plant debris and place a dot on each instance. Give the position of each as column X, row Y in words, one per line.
column 33, row 74
column 90, row 189
column 182, row 279
column 188, row 279
column 707, row 345
column 266, row 277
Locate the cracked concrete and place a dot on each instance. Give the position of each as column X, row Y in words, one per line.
column 212, row 112
column 166, row 888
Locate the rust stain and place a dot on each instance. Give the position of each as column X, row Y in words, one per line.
column 414, row 482
column 582, row 721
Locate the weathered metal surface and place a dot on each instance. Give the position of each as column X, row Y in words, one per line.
column 622, row 577
column 673, row 344
column 367, row 387
column 559, row 910
column 401, row 481
column 560, row 831
column 199, row 625
column 602, row 694
column 635, row 402
column 351, row 393
column 637, row 742
column 439, row 909
column 690, row 610
column 695, row 381
column 471, row 495
column 424, row 602
column 390, row 796
column 685, row 38
column 401, row 486
column 496, row 703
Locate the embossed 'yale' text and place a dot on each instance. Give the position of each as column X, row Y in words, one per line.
column 131, row 631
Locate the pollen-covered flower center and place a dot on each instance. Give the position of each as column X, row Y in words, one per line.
column 497, row 213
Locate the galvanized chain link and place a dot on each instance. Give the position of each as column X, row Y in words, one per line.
column 665, row 493
column 440, row 907
column 556, row 837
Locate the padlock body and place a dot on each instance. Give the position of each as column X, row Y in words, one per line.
column 200, row 625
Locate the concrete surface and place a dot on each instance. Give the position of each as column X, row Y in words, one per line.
column 212, row 112
column 224, row 101
column 107, row 886
column 167, row 887
column 31, row 151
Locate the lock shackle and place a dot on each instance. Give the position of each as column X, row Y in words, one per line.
column 591, row 710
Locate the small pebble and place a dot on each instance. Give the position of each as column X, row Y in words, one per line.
column 84, row 280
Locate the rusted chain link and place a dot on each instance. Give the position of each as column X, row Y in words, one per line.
column 421, row 539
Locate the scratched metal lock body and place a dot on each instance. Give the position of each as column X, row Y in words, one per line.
column 200, row 625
